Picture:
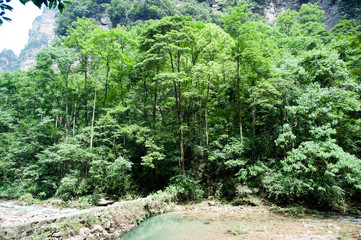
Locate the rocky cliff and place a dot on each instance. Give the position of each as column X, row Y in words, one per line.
column 7, row 60
column 40, row 36
column 276, row 7
column 42, row 32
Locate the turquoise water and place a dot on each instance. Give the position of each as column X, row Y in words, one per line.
column 179, row 226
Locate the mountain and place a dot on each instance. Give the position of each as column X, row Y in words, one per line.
column 7, row 60
column 331, row 8
column 112, row 12
column 41, row 35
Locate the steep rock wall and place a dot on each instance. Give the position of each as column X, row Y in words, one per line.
column 276, row 7
column 40, row 36
column 42, row 32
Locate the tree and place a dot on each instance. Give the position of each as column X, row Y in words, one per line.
column 4, row 6
column 172, row 37
column 108, row 46
column 64, row 58
column 311, row 22
column 286, row 21
column 317, row 167
column 78, row 37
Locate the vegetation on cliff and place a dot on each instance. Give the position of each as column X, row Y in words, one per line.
column 204, row 109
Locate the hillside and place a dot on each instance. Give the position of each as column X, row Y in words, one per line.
column 111, row 13
column 200, row 104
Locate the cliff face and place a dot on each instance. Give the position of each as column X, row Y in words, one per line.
column 40, row 36
column 42, row 32
column 7, row 60
column 330, row 7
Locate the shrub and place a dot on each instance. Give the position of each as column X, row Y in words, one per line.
column 185, row 188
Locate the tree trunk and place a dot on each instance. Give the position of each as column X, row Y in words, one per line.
column 66, row 108
column 106, row 85
column 254, row 125
column 74, row 119
column 86, row 92
column 239, row 101
column 93, row 117
column 182, row 151
column 206, row 116
column 155, row 104
column 181, row 129
column 121, row 83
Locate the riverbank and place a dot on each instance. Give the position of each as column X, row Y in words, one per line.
column 95, row 223
column 268, row 222
column 224, row 221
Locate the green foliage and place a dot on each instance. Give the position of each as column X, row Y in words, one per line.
column 349, row 9
column 130, row 12
column 324, row 67
column 122, row 112
column 318, row 168
column 186, row 188
column 286, row 21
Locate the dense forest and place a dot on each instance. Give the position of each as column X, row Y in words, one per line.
column 197, row 101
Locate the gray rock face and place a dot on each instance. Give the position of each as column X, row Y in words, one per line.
column 331, row 10
column 275, row 7
column 40, row 36
column 42, row 32
column 7, row 58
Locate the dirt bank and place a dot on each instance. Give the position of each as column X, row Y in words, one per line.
column 270, row 222
column 242, row 222
column 96, row 223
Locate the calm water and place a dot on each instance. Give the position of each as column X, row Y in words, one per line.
column 179, row 226
column 191, row 226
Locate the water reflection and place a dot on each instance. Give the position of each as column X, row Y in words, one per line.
column 178, row 226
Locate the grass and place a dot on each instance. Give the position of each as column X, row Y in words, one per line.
column 238, row 229
column 344, row 234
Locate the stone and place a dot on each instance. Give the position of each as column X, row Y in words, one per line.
column 211, row 203
column 243, row 191
column 90, row 237
column 105, row 202
column 84, row 231
column 97, row 229
column 56, row 235
column 108, row 225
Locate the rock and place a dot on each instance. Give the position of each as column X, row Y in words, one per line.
column 243, row 191
column 108, row 225
column 76, row 238
column 97, row 229
column 43, row 32
column 275, row 7
column 90, row 237
column 105, row 202
column 57, row 202
column 56, row 235
column 177, row 208
column 84, row 231
column 211, row 203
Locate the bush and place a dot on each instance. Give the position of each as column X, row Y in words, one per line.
column 68, row 188
column 185, row 188
column 27, row 199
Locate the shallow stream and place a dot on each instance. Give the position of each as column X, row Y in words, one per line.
column 244, row 223
column 180, row 226
column 13, row 205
